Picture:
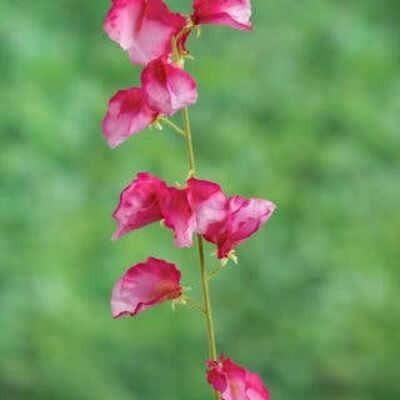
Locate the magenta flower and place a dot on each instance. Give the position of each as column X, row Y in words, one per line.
column 233, row 13
column 128, row 113
column 145, row 285
column 139, row 204
column 144, row 28
column 167, row 87
column 234, row 382
column 226, row 221
column 201, row 208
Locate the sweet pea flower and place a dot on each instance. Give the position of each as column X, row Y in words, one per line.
column 145, row 285
column 144, row 28
column 127, row 114
column 233, row 13
column 139, row 204
column 226, row 221
column 167, row 87
column 235, row 382
column 202, row 207
column 244, row 218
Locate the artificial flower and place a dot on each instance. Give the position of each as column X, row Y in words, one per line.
column 167, row 87
column 127, row 114
column 235, row 382
column 233, row 13
column 145, row 285
column 144, row 28
column 226, row 221
column 139, row 204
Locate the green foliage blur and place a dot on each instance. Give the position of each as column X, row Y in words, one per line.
column 303, row 111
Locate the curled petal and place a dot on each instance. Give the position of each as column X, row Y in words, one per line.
column 168, row 88
column 209, row 202
column 235, row 382
column 144, row 28
column 139, row 204
column 179, row 216
column 245, row 217
column 145, row 285
column 225, row 221
column 127, row 114
column 233, row 13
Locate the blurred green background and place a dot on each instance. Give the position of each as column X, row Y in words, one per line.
column 303, row 111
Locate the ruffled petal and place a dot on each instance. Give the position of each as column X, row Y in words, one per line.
column 145, row 285
column 235, row 382
column 209, row 202
column 245, row 218
column 179, row 216
column 144, row 28
column 226, row 221
column 128, row 113
column 168, row 88
column 139, row 204
column 233, row 13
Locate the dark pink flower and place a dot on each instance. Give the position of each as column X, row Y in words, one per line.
column 235, row 382
column 167, row 87
column 127, row 114
column 139, row 204
column 233, row 13
column 226, row 221
column 144, row 28
column 245, row 217
column 145, row 285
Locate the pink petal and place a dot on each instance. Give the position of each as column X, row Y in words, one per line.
column 144, row 28
column 179, row 216
column 139, row 204
column 127, row 114
column 226, row 221
column 145, row 285
column 235, row 382
column 168, row 88
column 209, row 202
column 245, row 218
column 233, row 13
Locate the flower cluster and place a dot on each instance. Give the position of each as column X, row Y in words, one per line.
column 201, row 207
column 156, row 38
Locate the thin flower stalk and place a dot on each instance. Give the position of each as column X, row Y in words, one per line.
column 156, row 38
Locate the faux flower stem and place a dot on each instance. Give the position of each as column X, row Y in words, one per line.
column 190, row 302
column 212, row 347
column 173, row 126
column 189, row 142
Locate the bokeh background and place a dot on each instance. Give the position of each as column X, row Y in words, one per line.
column 303, row 111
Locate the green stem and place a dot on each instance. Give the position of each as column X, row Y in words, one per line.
column 212, row 347
column 194, row 304
column 173, row 126
column 189, row 142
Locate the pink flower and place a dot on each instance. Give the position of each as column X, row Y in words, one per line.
column 234, row 382
column 168, row 88
column 144, row 28
column 201, row 207
column 233, row 13
column 128, row 113
column 139, row 204
column 145, row 285
column 226, row 221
